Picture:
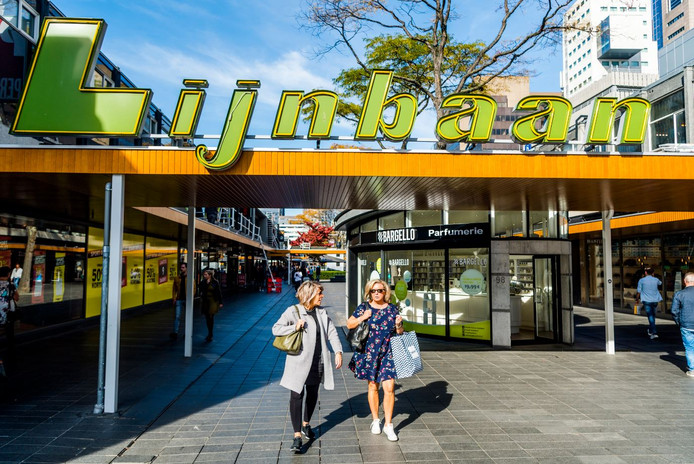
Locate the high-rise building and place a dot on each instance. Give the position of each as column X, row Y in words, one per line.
column 609, row 51
column 676, row 16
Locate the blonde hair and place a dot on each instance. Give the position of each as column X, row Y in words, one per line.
column 370, row 284
column 307, row 291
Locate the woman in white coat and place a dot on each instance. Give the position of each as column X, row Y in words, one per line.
column 305, row 371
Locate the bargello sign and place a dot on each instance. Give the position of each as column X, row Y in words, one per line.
column 58, row 101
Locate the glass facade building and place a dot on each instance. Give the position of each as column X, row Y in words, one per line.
column 492, row 277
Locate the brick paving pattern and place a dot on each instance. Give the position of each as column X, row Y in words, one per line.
column 533, row 404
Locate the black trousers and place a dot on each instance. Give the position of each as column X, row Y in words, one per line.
column 209, row 318
column 295, row 403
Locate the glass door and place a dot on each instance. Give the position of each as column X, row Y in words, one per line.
column 545, row 297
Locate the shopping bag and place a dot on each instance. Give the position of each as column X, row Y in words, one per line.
column 405, row 350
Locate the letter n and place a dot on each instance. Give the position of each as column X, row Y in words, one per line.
column 633, row 122
column 480, row 111
column 56, row 99
column 324, row 109
column 371, row 118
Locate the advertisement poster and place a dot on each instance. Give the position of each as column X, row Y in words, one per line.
column 39, row 275
column 160, row 269
column 59, row 277
column 124, row 273
column 163, row 271
column 5, row 258
column 132, row 286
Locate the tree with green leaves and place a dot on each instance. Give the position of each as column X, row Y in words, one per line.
column 413, row 38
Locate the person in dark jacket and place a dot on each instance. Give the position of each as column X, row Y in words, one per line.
column 211, row 296
column 683, row 314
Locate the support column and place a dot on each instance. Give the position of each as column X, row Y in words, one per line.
column 607, row 268
column 500, row 286
column 115, row 273
column 190, row 261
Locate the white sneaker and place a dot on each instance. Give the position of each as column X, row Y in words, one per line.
column 390, row 432
column 376, row 426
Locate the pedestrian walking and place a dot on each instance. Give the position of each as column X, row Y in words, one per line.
column 304, row 372
column 16, row 275
column 298, row 277
column 683, row 315
column 179, row 298
column 211, row 299
column 376, row 364
column 8, row 305
column 647, row 292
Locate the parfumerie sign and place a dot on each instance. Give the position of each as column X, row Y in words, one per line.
column 428, row 234
column 57, row 101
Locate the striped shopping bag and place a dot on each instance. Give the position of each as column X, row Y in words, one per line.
column 405, row 350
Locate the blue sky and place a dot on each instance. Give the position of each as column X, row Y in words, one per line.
column 159, row 43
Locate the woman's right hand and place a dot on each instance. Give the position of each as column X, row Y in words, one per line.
column 299, row 324
column 365, row 315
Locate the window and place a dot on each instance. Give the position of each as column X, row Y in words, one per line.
column 676, row 33
column 675, row 3
column 28, row 22
column 675, row 19
column 423, row 218
column 393, row 221
column 10, row 11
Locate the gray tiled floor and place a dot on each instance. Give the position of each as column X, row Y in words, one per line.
column 547, row 404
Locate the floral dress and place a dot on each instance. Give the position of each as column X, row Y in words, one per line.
column 376, row 362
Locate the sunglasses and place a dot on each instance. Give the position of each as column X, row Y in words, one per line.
column 377, row 290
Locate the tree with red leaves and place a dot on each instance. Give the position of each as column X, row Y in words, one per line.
column 317, row 235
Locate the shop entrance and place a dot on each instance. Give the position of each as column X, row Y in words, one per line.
column 534, row 299
column 545, row 298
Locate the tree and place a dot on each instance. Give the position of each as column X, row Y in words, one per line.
column 412, row 37
column 317, row 235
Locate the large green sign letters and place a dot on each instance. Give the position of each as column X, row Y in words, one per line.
column 58, row 100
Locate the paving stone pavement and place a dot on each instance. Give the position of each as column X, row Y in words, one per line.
column 470, row 404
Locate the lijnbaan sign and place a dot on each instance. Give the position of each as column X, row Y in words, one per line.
column 57, row 100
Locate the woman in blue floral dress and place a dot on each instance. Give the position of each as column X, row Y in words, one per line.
column 375, row 364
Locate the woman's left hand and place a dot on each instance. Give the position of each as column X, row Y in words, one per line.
column 398, row 325
column 338, row 360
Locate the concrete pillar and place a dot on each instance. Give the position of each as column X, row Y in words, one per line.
column 500, row 287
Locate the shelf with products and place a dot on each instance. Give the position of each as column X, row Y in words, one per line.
column 521, row 271
column 428, row 275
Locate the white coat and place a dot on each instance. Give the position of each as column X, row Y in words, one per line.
column 297, row 367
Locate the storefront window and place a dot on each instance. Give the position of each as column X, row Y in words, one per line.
column 507, row 224
column 394, row 221
column 370, row 226
column 467, row 217
column 399, row 277
column 51, row 288
column 423, row 218
column 429, row 292
column 543, row 224
column 638, row 254
column 469, row 293
column 370, row 267
column 596, row 285
column 677, row 252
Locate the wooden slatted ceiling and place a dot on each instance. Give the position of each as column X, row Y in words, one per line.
column 356, row 179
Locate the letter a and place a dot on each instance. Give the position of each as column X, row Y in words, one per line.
column 56, row 99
